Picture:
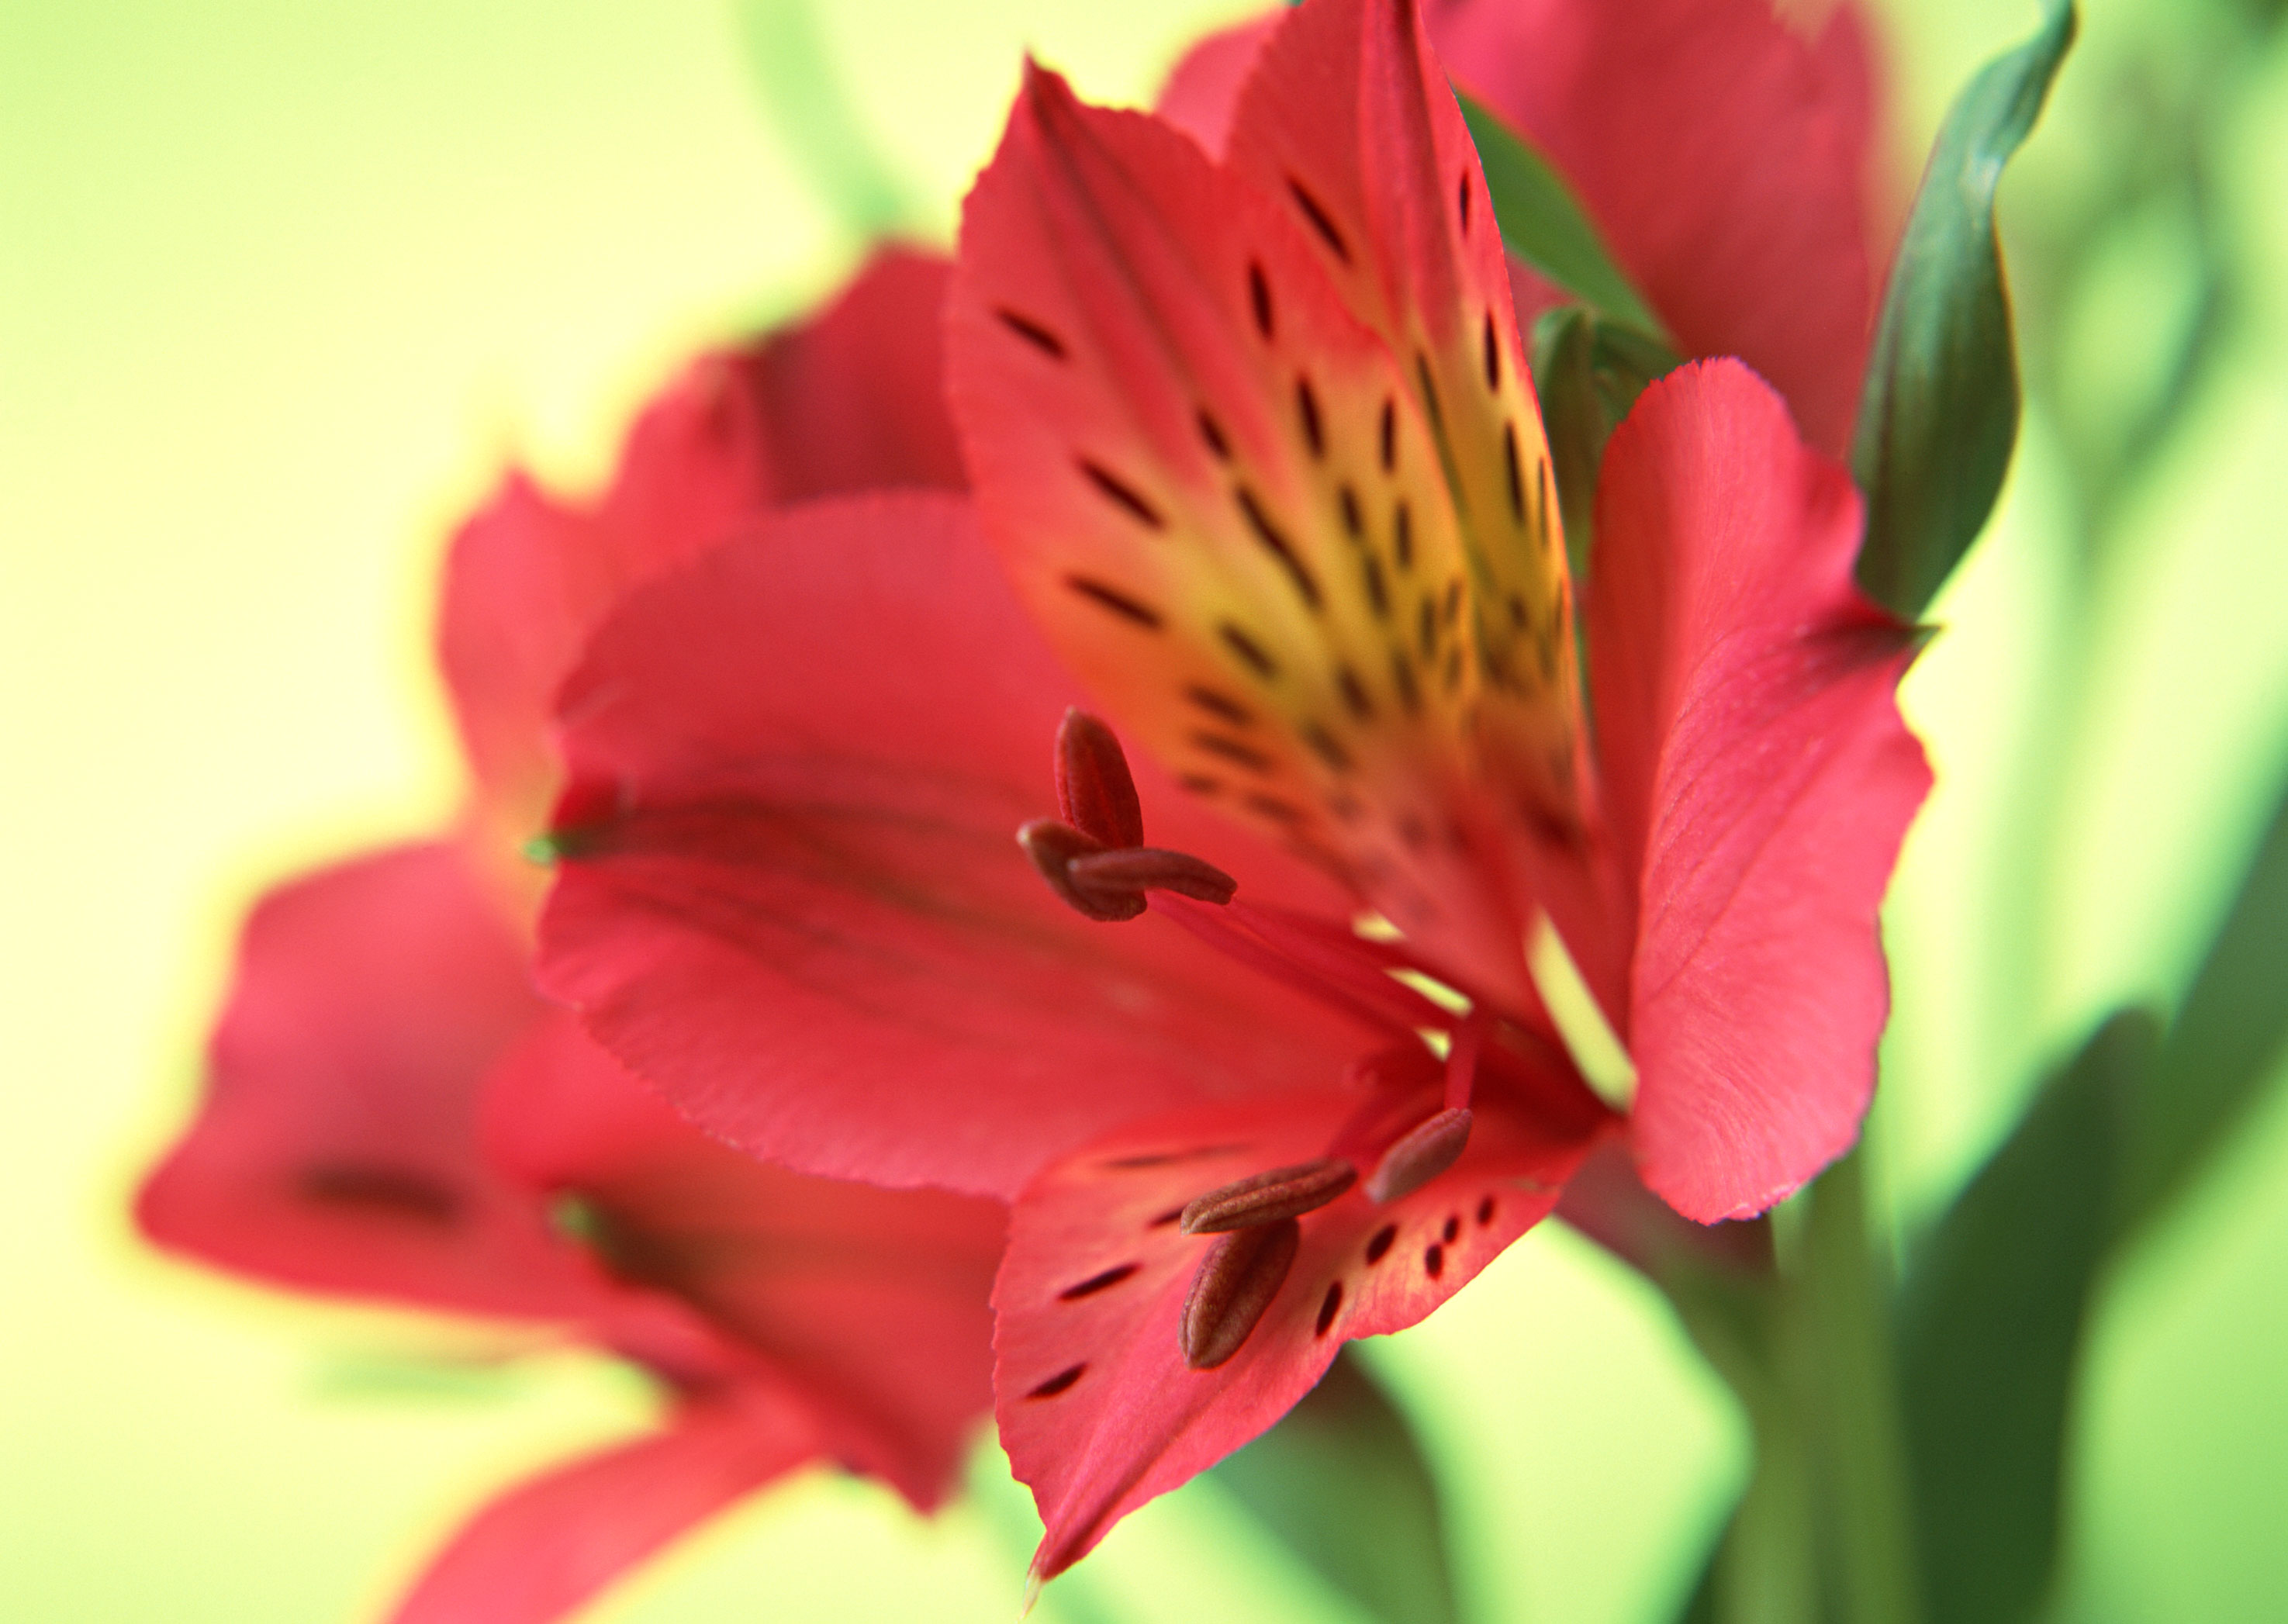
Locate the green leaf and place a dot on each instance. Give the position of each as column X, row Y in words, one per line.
column 2226, row 1042
column 1587, row 373
column 1343, row 1483
column 818, row 127
column 1546, row 227
column 1991, row 1327
column 1939, row 411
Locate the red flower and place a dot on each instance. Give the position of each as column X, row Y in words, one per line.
column 1255, row 446
column 394, row 1114
column 1726, row 153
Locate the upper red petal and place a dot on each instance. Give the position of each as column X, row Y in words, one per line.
column 794, row 898
column 869, row 1303
column 1758, row 780
column 1724, row 157
column 547, row 1546
column 336, row 1146
column 1098, row 1409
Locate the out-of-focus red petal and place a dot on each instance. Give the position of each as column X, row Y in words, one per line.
column 1098, row 1409
column 529, row 574
column 1202, row 91
column 794, row 899
column 1724, row 157
column 872, row 1303
column 853, row 399
column 1758, row 779
column 850, row 400
column 336, row 1147
column 547, row 1546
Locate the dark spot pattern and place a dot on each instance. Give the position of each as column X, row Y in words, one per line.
column 1095, row 1283
column 1378, row 1246
column 1232, row 751
column 1492, row 354
column 1123, row 494
column 1221, row 706
column 1329, row 1307
column 1211, row 432
column 1485, row 1212
column 1515, row 474
column 1354, row 521
column 1320, row 220
column 1251, row 652
column 1389, row 436
column 1453, row 1230
column 1116, row 600
column 1032, row 332
column 382, row 1191
column 1274, row 542
column 1461, row 203
column 1059, row 1382
column 1258, row 299
column 1306, row 411
column 1433, row 1261
column 1323, row 745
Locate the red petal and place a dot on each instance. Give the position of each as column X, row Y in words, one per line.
column 871, row 1303
column 547, row 1546
column 1216, row 492
column 801, row 908
column 1759, row 780
column 1098, row 1409
column 854, row 400
column 529, row 574
column 336, row 1147
column 1202, row 92
column 1726, row 158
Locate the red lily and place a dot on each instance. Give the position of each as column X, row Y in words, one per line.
column 1255, row 446
column 1726, row 153
column 394, row 1114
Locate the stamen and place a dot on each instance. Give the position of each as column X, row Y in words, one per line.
column 1590, row 1039
column 1131, row 872
column 1428, row 1151
column 1095, row 791
column 1052, row 846
column 1236, row 1282
column 1268, row 1197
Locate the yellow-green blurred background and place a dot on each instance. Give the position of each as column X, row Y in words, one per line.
column 282, row 283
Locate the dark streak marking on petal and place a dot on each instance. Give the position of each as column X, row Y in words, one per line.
column 1453, row 1229
column 1516, row 475
column 1031, row 332
column 1200, row 783
column 1116, row 600
column 1329, row 1308
column 1123, row 494
column 1259, row 296
column 1211, row 432
column 1059, row 1382
column 1401, row 536
column 1353, row 692
column 1485, row 1212
column 1493, row 355
column 1401, row 678
column 1378, row 595
column 1232, row 751
column 1324, row 746
column 1433, row 1260
column 1319, row 220
column 1248, row 650
column 1389, row 436
column 1219, row 705
column 1426, row 629
column 1095, row 1283
column 1272, row 807
column 1461, row 203
column 1306, row 408
column 382, row 1191
column 1354, row 521
column 1379, row 1246
column 1275, row 544
column 1166, row 1218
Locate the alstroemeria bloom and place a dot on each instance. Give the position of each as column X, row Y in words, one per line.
column 1725, row 152
column 394, row 1114
column 1254, row 446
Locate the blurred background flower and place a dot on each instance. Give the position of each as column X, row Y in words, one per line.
column 282, row 287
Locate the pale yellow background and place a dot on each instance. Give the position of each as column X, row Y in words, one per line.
column 282, row 283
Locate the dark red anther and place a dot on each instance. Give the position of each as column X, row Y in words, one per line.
column 1265, row 1198
column 1424, row 1153
column 1241, row 1274
column 1054, row 846
column 1094, row 790
column 1135, row 870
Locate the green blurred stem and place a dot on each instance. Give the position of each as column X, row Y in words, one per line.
column 1823, row 1531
